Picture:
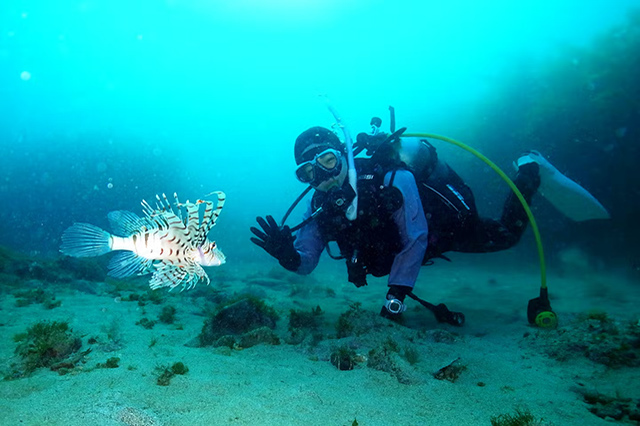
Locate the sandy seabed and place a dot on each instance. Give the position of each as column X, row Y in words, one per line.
column 290, row 384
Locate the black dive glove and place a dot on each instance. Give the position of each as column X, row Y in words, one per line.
column 276, row 241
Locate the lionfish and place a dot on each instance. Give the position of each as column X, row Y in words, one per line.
column 172, row 246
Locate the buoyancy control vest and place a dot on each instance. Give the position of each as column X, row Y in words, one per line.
column 371, row 241
column 447, row 201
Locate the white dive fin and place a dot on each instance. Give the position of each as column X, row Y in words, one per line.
column 571, row 199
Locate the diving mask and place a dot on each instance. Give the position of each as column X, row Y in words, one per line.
column 324, row 166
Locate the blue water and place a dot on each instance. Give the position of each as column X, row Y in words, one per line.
column 105, row 103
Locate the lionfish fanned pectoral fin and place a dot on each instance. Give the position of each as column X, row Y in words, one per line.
column 167, row 275
column 195, row 275
column 171, row 275
column 210, row 216
column 125, row 223
column 128, row 263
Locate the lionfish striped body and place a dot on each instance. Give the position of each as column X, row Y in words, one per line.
column 172, row 246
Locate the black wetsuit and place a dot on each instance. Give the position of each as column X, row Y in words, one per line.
column 454, row 223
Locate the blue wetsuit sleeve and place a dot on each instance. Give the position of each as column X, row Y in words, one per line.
column 309, row 244
column 414, row 232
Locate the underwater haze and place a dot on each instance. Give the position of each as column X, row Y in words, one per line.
column 104, row 103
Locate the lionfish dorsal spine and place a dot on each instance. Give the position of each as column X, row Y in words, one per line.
column 167, row 203
column 210, row 216
column 222, row 197
column 179, row 210
column 147, row 209
column 192, row 220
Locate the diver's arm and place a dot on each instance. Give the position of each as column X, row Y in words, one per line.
column 309, row 244
column 413, row 229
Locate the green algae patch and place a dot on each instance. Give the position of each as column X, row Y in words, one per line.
column 47, row 344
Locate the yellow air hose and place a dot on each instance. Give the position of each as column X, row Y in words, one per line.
column 534, row 225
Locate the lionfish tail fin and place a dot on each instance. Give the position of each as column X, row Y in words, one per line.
column 85, row 240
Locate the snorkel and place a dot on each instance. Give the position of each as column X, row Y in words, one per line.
column 352, row 210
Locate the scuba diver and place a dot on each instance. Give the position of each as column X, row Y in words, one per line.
column 411, row 208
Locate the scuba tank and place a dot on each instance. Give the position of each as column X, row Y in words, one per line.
column 416, row 155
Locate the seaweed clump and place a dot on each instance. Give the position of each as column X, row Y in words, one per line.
column 165, row 374
column 48, row 344
column 305, row 323
column 146, row 323
column 356, row 322
column 113, row 362
column 241, row 323
column 168, row 315
column 520, row 418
